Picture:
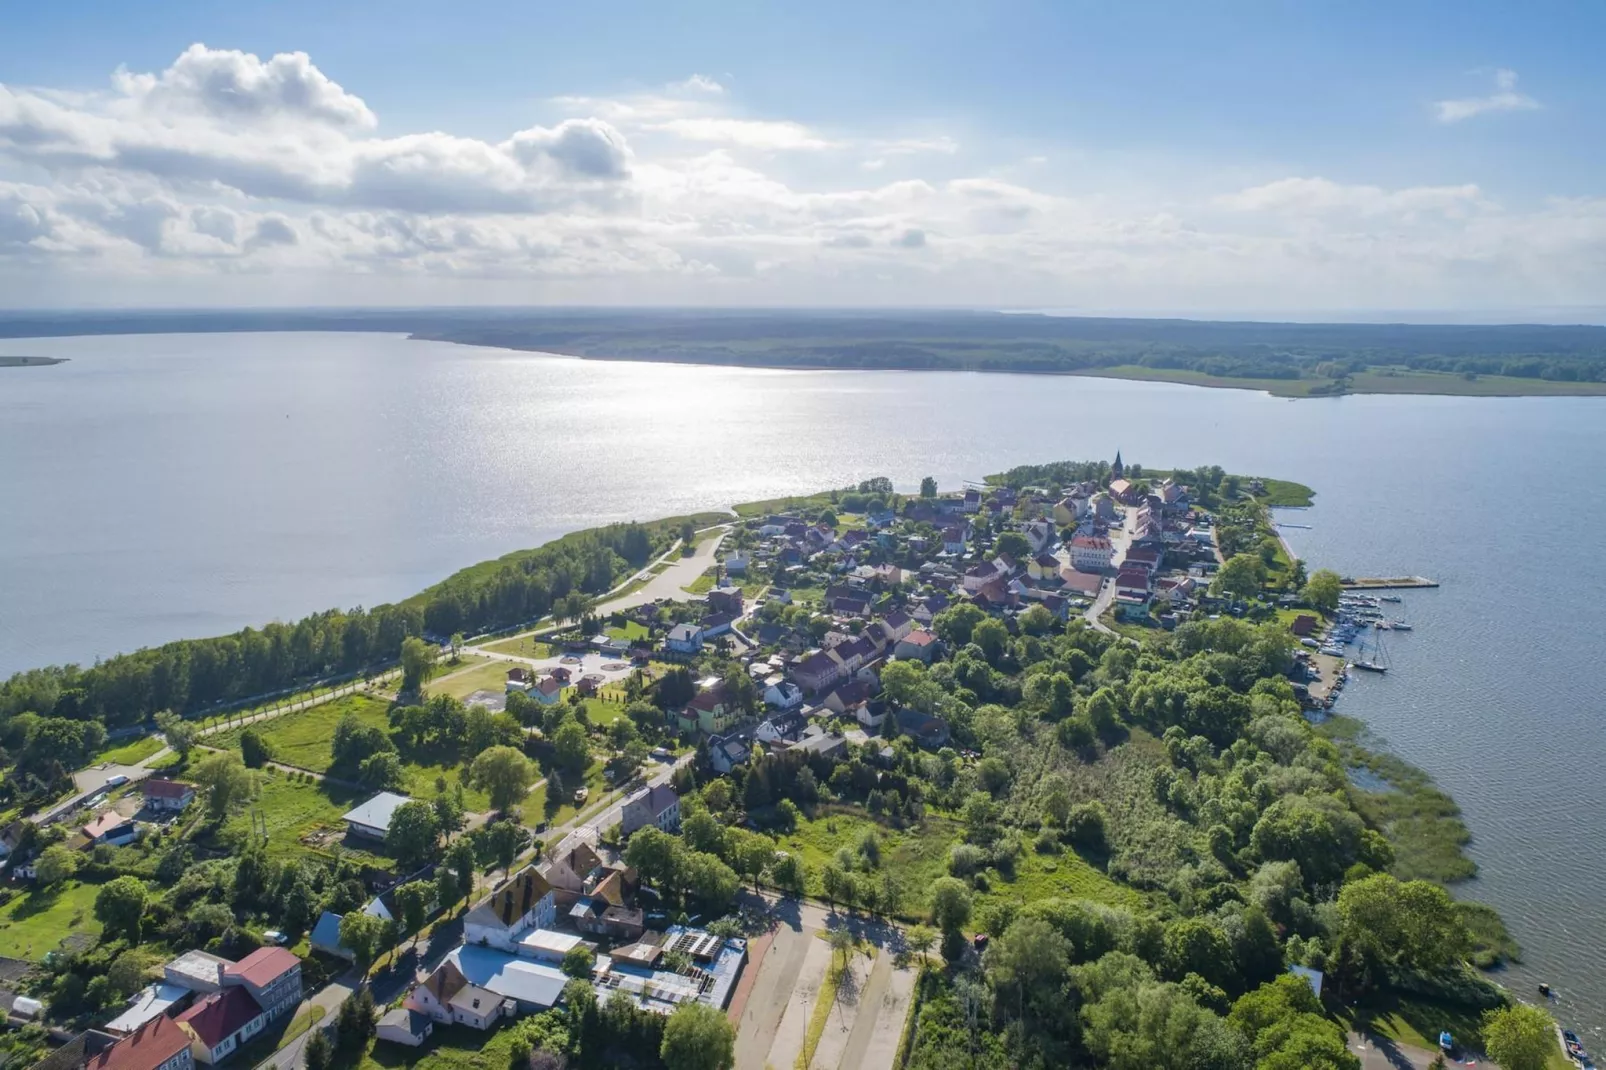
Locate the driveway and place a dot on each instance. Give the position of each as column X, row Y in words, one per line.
column 1381, row 1053
column 668, row 583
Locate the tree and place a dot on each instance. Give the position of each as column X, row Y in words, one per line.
column 1241, row 577
column 460, row 859
column 950, row 904
column 503, row 773
column 318, row 1053
column 928, row 487
column 788, row 873
column 828, row 518
column 55, row 865
column 920, row 939
column 381, row 772
column 457, row 646
column 357, row 1020
column 226, row 783
column 255, row 751
column 414, row 833
column 1323, row 590
column 579, row 961
column 418, row 663
column 179, row 733
column 688, row 533
column 1413, row 923
column 1014, row 544
column 414, row 898
column 698, row 1037
column 119, row 906
column 992, row 637
column 1519, row 1037
column 361, row 934
column 571, row 749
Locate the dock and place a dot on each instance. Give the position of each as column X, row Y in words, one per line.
column 1394, row 583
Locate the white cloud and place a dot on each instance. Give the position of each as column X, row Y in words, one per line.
column 246, row 180
column 698, row 83
column 746, row 133
column 1504, row 98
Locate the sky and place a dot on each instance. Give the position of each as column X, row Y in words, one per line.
column 1346, row 159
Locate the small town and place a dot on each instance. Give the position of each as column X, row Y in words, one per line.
column 726, row 808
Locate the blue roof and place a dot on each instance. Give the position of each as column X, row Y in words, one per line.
column 326, row 934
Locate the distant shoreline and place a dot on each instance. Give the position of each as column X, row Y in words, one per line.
column 30, row 362
column 1426, row 384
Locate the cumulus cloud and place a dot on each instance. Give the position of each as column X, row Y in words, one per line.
column 747, row 133
column 238, row 86
column 1323, row 196
column 1504, row 98
column 913, row 238
column 698, row 83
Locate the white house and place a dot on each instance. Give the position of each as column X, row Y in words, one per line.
column 736, row 562
column 782, row 694
column 526, row 902
column 657, row 806
column 1091, row 553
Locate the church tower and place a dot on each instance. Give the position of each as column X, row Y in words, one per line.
column 1117, row 470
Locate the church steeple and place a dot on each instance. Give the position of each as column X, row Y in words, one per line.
column 1117, row 470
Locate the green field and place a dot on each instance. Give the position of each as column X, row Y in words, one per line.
column 293, row 809
column 136, row 750
column 450, row 1047
column 489, row 676
column 523, row 646
column 35, row 923
column 630, row 630
column 600, row 712
column 536, row 803
column 702, row 584
column 1372, row 381
column 303, row 738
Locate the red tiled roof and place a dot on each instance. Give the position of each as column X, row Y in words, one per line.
column 166, row 789
column 219, row 1015
column 103, row 824
column 263, row 966
column 920, row 637
column 148, row 1047
column 1091, row 542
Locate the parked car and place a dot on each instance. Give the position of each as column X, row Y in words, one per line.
column 116, row 781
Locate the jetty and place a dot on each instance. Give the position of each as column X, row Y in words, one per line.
column 1388, row 583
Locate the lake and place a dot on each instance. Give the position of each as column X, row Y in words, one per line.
column 182, row 485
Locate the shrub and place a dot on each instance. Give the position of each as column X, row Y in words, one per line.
column 965, row 859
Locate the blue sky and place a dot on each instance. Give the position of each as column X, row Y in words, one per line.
column 1163, row 156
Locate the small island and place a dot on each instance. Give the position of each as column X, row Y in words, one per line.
column 879, row 776
column 30, row 362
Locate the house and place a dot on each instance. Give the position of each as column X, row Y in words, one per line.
column 447, row 996
column 548, row 690
column 1086, row 584
column 520, row 985
column 220, row 1022
column 716, row 624
column 1143, row 557
column 726, row 753
column 159, row 1044
column 1091, row 553
column 1070, row 509
column 371, row 820
column 1303, row 625
column 782, row 694
column 1102, row 506
column 980, row 575
column 781, row 728
column 853, row 654
column 709, row 711
column 111, row 827
column 736, row 563
column 953, row 539
column 168, row 796
column 325, row 937
column 519, row 680
column 919, row 644
column 526, row 902
column 400, row 1025
column 818, row 741
column 872, row 713
column 572, row 862
column 896, row 625
column 846, row 700
column 1039, row 535
column 1044, row 566
column 817, row 671
column 657, row 806
column 726, row 600
column 1133, row 582
column 1123, row 491
column 972, row 500
column 684, row 639
column 928, row 730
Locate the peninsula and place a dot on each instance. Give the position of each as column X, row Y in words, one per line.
column 29, row 362
column 1296, row 360
column 1047, row 737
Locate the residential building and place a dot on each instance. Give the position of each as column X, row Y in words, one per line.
column 726, row 600
column 726, row 753
column 853, row 654
column 524, row 903
column 272, row 975
column 684, row 639
column 519, row 680
column 325, row 937
column 847, row 698
column 159, row 1044
column 953, row 539
column 817, row 670
column 169, row 796
column 781, row 728
column 928, row 730
column 1044, row 566
column 716, row 624
column 1039, row 535
column 548, row 690
column 220, row 1022
column 371, row 820
column 782, row 694
column 1123, row 491
column 401, row 1025
column 1142, row 557
column 1102, row 506
column 1091, row 553
column 896, row 625
column 919, row 644
column 657, row 806
column 111, row 827
column 572, row 862
column 1086, row 584
column 1070, row 510
column 736, row 562
column 818, row 741
column 447, row 996
column 982, row 574
column 709, row 711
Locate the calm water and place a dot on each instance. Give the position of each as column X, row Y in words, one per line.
column 166, row 486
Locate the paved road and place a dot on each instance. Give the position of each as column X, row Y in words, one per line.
column 668, row 583
column 1381, row 1053
column 1120, row 539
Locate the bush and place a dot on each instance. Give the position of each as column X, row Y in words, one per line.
column 965, row 859
column 1085, row 827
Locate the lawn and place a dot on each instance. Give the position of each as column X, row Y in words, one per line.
column 450, row 1047
column 489, row 676
column 35, row 923
column 601, row 712
column 136, row 750
column 292, row 809
column 702, row 584
column 523, row 646
column 630, row 630
column 303, row 738
column 537, row 802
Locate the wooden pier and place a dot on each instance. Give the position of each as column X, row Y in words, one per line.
column 1394, row 583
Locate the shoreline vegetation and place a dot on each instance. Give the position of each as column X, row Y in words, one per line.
column 1293, row 360
column 30, row 362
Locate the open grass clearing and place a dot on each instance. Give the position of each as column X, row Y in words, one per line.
column 543, row 804
column 450, row 1047
column 294, row 809
column 488, row 675
column 35, row 923
column 523, row 646
column 630, row 630
column 131, row 752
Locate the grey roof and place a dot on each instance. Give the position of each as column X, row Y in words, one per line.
column 402, row 1018
column 326, row 935
column 510, row 976
column 684, row 632
column 377, row 812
